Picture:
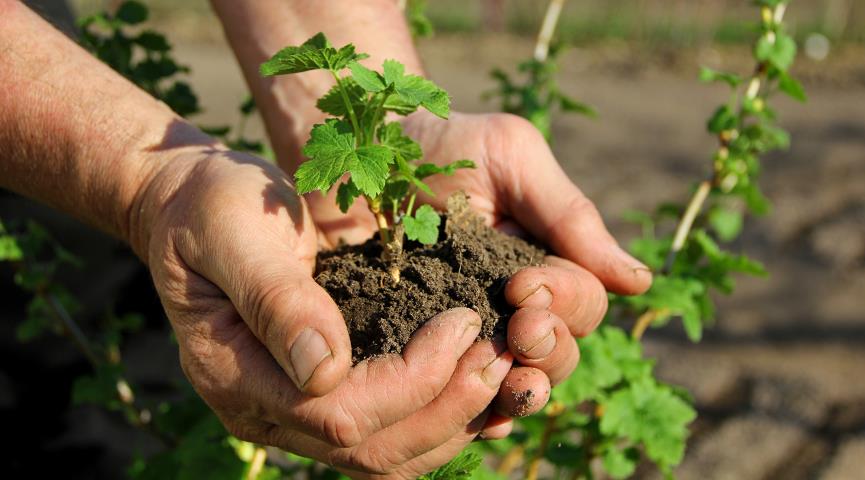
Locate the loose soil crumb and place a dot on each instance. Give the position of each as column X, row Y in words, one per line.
column 523, row 402
column 468, row 267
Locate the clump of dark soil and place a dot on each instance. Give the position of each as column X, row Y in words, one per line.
column 468, row 267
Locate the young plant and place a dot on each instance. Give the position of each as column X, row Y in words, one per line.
column 613, row 411
column 539, row 95
column 358, row 149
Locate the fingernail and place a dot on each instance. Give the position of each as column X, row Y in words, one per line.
column 494, row 373
column 636, row 266
column 541, row 297
column 307, row 353
column 541, row 349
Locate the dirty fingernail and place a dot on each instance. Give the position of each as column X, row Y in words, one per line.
column 543, row 348
column 310, row 349
column 541, row 297
column 494, row 373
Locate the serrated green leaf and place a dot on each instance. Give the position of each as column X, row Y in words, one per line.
column 368, row 79
column 369, row 168
column 391, row 136
column 653, row 415
column 153, row 41
column 330, row 151
column 415, row 90
column 460, row 468
column 346, row 195
column 314, row 54
column 333, row 103
column 423, row 226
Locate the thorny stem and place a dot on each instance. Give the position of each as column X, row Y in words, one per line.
column 348, row 107
column 555, row 409
column 545, row 35
column 257, row 463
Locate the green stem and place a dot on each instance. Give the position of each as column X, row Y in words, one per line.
column 348, row 107
column 410, row 204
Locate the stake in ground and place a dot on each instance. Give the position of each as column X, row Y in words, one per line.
column 381, row 162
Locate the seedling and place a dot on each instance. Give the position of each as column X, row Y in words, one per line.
column 358, row 149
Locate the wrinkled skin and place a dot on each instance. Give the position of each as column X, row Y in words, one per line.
column 231, row 249
column 519, row 187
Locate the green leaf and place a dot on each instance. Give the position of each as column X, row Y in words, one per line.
column 369, row 168
column 791, row 87
column 314, row 54
column 423, row 226
column 153, row 41
column 332, row 154
column 329, row 150
column 346, row 194
column 460, row 468
column 709, row 75
column 653, row 415
column 333, row 103
column 9, row 249
column 181, row 99
column 722, row 119
column 570, row 105
column 620, row 463
column 247, row 106
column 726, row 223
column 131, row 12
column 415, row 90
column 99, row 389
column 780, row 53
column 391, row 136
column 370, row 80
column 418, row 22
column 426, row 169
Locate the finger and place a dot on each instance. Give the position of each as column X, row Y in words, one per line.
column 538, row 338
column 292, row 316
column 525, row 391
column 496, row 428
column 563, row 287
column 541, row 197
column 382, row 391
column 428, row 461
column 467, row 395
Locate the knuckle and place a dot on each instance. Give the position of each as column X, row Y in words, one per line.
column 341, row 430
column 372, row 459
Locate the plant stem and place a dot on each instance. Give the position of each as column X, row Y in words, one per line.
column 410, row 206
column 257, row 463
column 545, row 35
column 73, row 330
column 351, row 115
column 687, row 221
column 645, row 320
column 555, row 409
column 512, row 460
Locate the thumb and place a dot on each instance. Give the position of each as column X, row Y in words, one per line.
column 289, row 313
column 544, row 200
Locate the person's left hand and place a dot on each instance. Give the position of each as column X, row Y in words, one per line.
column 520, row 188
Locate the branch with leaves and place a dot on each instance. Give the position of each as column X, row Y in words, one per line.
column 360, row 150
column 539, row 94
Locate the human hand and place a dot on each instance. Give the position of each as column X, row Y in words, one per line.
column 519, row 187
column 231, row 249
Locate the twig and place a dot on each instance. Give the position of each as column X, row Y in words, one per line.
column 512, row 460
column 257, row 463
column 555, row 409
column 687, row 221
column 545, row 35
column 645, row 320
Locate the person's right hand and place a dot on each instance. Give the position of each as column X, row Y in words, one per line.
column 231, row 249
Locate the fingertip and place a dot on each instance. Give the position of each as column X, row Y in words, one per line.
column 525, row 391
